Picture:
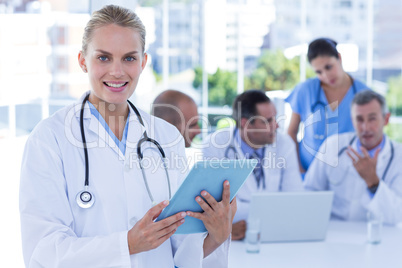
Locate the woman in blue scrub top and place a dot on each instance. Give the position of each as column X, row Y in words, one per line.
column 322, row 104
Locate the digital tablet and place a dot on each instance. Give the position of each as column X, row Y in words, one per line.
column 206, row 175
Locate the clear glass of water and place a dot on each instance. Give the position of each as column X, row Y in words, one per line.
column 374, row 228
column 253, row 235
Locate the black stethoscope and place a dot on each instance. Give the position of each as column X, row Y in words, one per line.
column 318, row 105
column 389, row 161
column 85, row 199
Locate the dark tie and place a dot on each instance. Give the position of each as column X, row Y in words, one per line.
column 258, row 171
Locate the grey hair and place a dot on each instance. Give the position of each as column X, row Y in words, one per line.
column 112, row 14
column 366, row 96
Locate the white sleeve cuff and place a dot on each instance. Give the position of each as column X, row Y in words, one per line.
column 188, row 250
column 220, row 257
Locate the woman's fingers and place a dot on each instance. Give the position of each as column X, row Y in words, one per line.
column 204, row 205
column 217, row 216
column 167, row 236
column 169, row 224
column 196, row 215
column 147, row 234
column 226, row 192
column 209, row 199
column 155, row 211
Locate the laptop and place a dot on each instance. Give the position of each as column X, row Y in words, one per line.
column 292, row 216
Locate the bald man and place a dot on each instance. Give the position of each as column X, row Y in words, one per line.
column 179, row 110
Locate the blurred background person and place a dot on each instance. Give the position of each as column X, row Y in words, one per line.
column 180, row 110
column 361, row 166
column 322, row 104
column 255, row 136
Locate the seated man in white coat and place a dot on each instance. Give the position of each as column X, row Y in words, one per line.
column 255, row 136
column 361, row 168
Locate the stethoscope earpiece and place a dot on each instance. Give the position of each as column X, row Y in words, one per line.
column 85, row 199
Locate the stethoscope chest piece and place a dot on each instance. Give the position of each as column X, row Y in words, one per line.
column 85, row 199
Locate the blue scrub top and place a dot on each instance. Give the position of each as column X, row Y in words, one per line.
column 319, row 120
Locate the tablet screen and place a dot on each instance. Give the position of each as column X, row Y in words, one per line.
column 207, row 175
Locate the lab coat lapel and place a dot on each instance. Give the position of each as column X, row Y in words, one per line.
column 269, row 166
column 91, row 125
column 383, row 158
column 252, row 177
column 94, row 127
column 238, row 149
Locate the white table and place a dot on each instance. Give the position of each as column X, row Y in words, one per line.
column 344, row 246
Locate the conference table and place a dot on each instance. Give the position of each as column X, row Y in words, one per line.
column 345, row 246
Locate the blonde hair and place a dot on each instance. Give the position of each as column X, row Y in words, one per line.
column 112, row 14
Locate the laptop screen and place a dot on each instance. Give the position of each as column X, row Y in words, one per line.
column 292, row 216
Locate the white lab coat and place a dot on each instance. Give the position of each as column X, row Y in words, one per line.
column 352, row 199
column 56, row 232
column 281, row 169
